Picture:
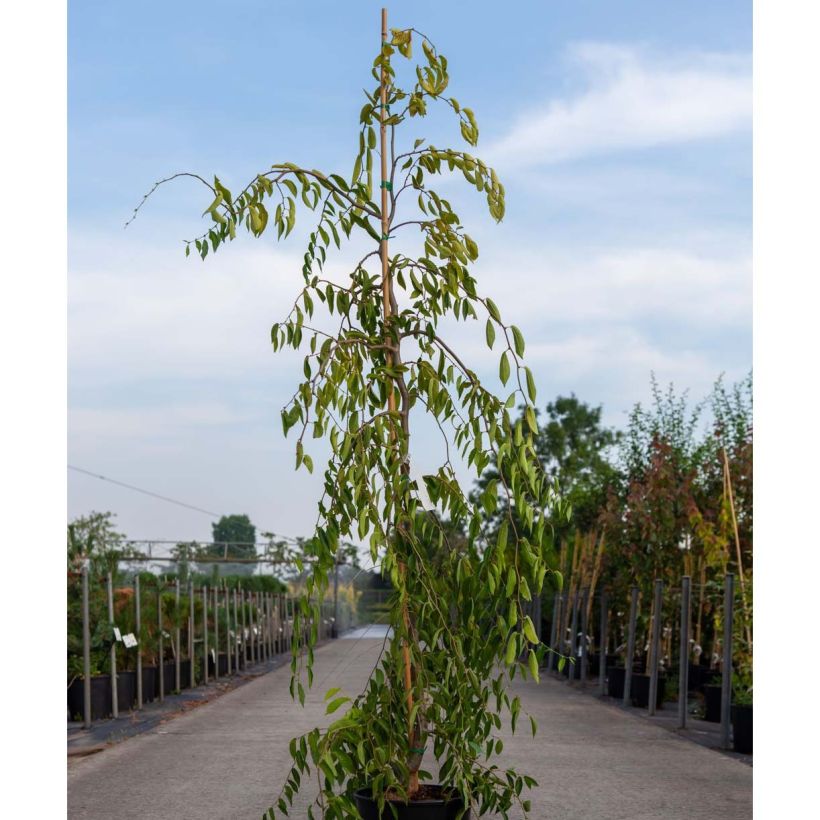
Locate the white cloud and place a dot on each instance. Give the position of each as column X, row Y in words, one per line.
column 632, row 99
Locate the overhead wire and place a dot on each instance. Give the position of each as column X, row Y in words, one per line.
column 166, row 498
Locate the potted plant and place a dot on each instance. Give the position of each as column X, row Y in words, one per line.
column 440, row 689
column 712, row 697
column 742, row 714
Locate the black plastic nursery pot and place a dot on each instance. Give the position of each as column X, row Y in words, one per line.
column 435, row 805
column 697, row 676
column 126, row 690
column 169, row 677
column 100, row 697
column 223, row 663
column 595, row 662
column 149, row 683
column 101, row 706
column 639, row 691
column 615, row 677
column 742, row 729
column 712, row 695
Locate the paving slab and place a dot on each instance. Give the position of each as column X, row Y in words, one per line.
column 228, row 757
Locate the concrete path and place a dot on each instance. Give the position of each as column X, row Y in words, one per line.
column 227, row 759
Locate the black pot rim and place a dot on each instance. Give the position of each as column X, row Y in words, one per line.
column 366, row 794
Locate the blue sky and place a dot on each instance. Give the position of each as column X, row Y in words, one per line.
column 622, row 131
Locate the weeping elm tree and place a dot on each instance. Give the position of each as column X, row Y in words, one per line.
column 375, row 361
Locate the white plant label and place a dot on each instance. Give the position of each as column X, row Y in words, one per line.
column 117, row 636
column 129, row 640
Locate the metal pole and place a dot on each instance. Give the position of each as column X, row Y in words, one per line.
column 244, row 627
column 228, row 648
column 115, row 711
column 137, row 624
column 553, row 629
column 86, row 651
column 253, row 617
column 726, row 691
column 177, row 641
column 565, row 623
column 216, row 632
column 251, row 642
column 585, row 631
column 277, row 622
column 683, row 666
column 268, row 627
column 656, row 642
column 205, row 632
column 235, row 632
column 630, row 645
column 573, row 637
column 602, row 644
column 335, row 632
column 160, row 653
column 191, row 630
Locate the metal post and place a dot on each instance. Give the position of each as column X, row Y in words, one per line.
column 235, row 632
column 726, row 690
column 244, row 627
column 553, row 629
column 585, row 632
column 277, row 621
column 565, row 622
column 228, row 647
column 335, row 631
column 269, row 611
column 602, row 644
column 630, row 646
column 160, row 653
column 115, row 711
column 177, row 641
column 251, row 636
column 191, row 630
column 657, row 626
column 137, row 624
column 216, row 632
column 573, row 638
column 253, row 616
column 683, row 666
column 205, row 632
column 86, row 651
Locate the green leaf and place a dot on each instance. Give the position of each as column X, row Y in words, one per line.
column 559, row 580
column 335, row 704
column 512, row 614
column 331, row 692
column 512, row 647
column 518, row 340
column 490, row 333
column 533, row 664
column 511, row 579
column 530, row 416
column 493, row 309
column 529, row 630
column 504, row 368
column 530, row 385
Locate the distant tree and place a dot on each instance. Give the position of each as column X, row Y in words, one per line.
column 574, row 449
column 94, row 536
column 234, row 537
